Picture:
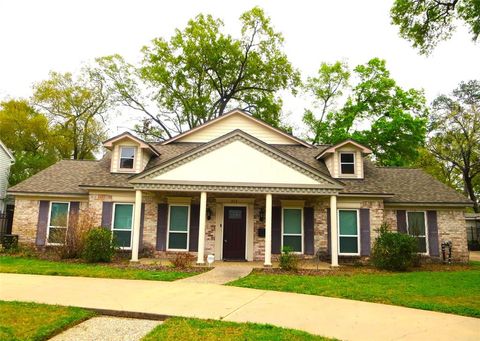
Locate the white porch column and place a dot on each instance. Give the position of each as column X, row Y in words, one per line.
column 201, row 228
column 333, row 230
column 136, row 225
column 268, row 230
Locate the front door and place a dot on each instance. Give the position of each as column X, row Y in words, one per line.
column 234, row 232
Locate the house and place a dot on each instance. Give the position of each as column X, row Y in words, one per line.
column 6, row 161
column 239, row 189
column 473, row 229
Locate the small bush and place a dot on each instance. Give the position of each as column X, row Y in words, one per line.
column 288, row 260
column 394, row 251
column 99, row 246
column 182, row 260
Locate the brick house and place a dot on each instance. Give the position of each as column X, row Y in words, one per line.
column 240, row 189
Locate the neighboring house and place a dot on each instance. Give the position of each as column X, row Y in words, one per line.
column 240, row 189
column 6, row 161
column 473, row 227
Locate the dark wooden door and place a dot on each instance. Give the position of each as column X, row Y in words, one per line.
column 234, row 232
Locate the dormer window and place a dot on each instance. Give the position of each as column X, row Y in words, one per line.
column 347, row 163
column 127, row 157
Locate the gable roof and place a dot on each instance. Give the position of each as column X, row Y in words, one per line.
column 332, row 149
column 143, row 144
column 7, row 151
column 294, row 139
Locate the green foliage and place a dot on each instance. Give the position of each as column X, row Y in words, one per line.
column 99, row 246
column 27, row 134
column 377, row 112
column 427, row 22
column 394, row 251
column 288, row 260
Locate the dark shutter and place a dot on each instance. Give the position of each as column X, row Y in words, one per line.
column 432, row 226
column 364, row 232
column 142, row 224
column 276, row 229
column 107, row 214
column 194, row 223
column 329, row 232
column 402, row 221
column 308, row 231
column 73, row 214
column 42, row 222
column 162, row 221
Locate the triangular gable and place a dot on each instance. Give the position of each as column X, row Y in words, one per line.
column 237, row 158
column 237, row 119
column 354, row 143
column 128, row 136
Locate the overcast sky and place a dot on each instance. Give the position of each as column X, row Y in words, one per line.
column 39, row 36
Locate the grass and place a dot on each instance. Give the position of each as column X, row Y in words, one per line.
column 31, row 321
column 36, row 266
column 194, row 329
column 456, row 292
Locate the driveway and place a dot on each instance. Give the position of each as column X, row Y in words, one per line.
column 332, row 317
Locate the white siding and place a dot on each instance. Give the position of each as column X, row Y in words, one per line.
column 5, row 163
column 238, row 121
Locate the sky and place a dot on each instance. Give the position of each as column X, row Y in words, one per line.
column 40, row 36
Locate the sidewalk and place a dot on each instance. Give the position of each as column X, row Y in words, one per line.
column 339, row 318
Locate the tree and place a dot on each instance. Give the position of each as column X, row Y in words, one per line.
column 77, row 108
column 27, row 134
column 201, row 72
column 455, row 135
column 377, row 112
column 427, row 22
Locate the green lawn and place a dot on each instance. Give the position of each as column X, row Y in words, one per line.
column 456, row 292
column 45, row 267
column 31, row 321
column 194, row 329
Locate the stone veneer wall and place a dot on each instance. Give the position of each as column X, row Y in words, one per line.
column 25, row 220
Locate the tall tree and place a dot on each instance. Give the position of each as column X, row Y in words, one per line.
column 77, row 107
column 377, row 112
column 427, row 22
column 202, row 72
column 28, row 135
column 455, row 135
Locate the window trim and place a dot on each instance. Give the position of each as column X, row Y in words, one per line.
column 302, row 228
column 348, row 163
column 348, row 235
column 188, row 227
column 50, row 217
column 120, row 158
column 131, row 228
column 427, row 246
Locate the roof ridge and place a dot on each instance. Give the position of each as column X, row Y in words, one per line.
column 94, row 160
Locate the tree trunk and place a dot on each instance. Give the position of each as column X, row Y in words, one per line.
column 471, row 193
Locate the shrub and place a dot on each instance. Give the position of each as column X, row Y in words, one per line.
column 75, row 236
column 394, row 251
column 182, row 260
column 99, row 246
column 288, row 260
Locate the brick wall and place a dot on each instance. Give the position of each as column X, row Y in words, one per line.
column 25, row 220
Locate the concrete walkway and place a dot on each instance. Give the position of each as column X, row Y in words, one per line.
column 104, row 328
column 220, row 275
column 475, row 256
column 332, row 317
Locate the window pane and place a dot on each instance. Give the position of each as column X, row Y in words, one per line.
column 295, row 242
column 348, row 245
column 59, row 214
column 178, row 218
column 126, row 163
column 234, row 214
column 416, row 223
column 348, row 168
column 177, row 241
column 128, row 152
column 347, row 157
column 122, row 238
column 123, row 217
column 348, row 222
column 57, row 235
column 292, row 220
column 422, row 244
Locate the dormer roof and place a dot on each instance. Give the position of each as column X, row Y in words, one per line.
column 332, row 149
column 127, row 135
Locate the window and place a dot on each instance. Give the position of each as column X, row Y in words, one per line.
column 127, row 157
column 122, row 225
column 416, row 227
column 178, row 221
column 292, row 229
column 348, row 232
column 58, row 222
column 347, row 163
